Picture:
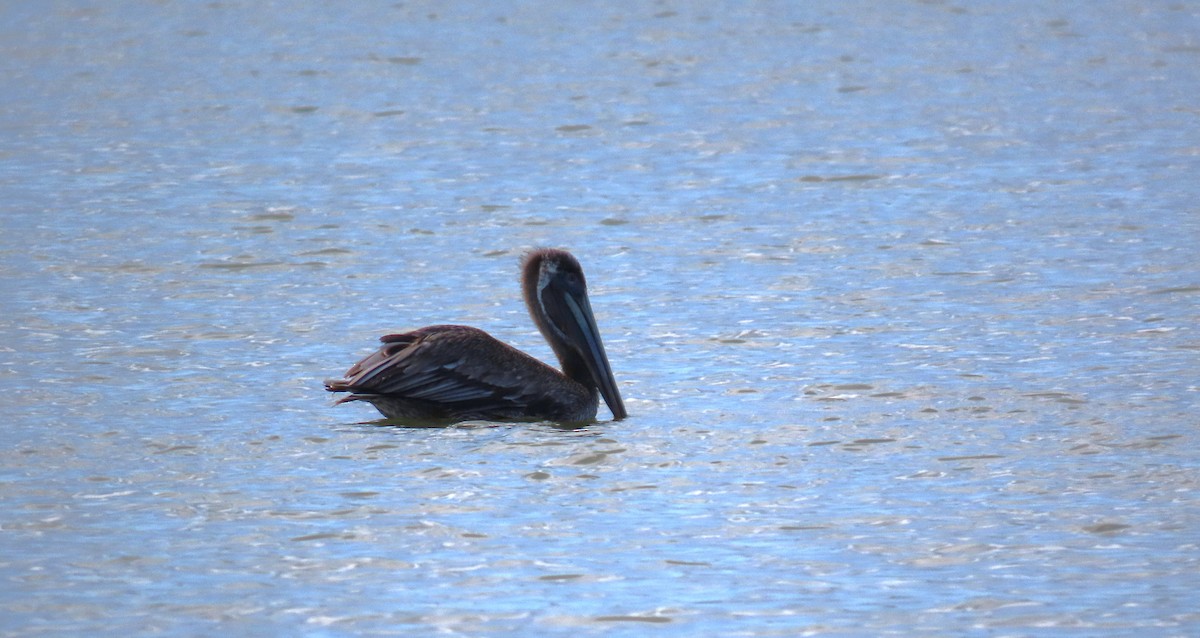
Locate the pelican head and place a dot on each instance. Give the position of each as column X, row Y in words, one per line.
column 556, row 295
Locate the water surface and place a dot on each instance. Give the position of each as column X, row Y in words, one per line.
column 902, row 299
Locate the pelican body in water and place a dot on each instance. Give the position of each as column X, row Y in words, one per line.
column 455, row 373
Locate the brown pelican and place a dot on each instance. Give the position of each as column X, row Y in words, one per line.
column 454, row 373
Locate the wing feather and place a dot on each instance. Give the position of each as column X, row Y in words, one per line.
column 452, row 366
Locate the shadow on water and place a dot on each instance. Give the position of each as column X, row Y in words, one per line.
column 444, row 424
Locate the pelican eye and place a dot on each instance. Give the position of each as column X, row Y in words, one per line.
column 545, row 274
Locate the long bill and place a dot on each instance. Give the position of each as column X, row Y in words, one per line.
column 587, row 336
